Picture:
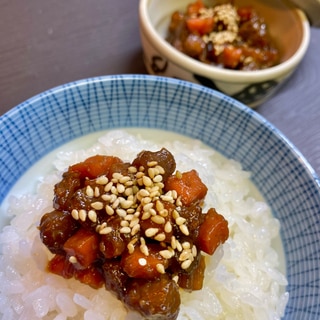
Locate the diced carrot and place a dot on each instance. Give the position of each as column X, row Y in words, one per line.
column 212, row 232
column 61, row 266
column 231, row 56
column 200, row 25
column 95, row 166
column 84, row 246
column 90, row 276
column 188, row 186
column 139, row 265
column 194, row 8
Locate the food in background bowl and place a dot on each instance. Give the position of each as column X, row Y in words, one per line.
column 288, row 28
column 223, row 35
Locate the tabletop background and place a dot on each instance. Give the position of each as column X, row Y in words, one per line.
column 47, row 43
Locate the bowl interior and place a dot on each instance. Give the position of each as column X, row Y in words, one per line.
column 53, row 118
column 283, row 19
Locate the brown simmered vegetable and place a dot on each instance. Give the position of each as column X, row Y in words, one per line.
column 137, row 228
column 223, row 35
column 56, row 228
column 158, row 299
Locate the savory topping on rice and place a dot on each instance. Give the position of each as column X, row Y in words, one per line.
column 136, row 228
column 223, row 35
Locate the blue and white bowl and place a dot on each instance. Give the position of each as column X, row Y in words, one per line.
column 49, row 120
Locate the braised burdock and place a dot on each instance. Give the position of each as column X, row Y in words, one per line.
column 137, row 228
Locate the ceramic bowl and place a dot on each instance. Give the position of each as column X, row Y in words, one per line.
column 67, row 116
column 288, row 27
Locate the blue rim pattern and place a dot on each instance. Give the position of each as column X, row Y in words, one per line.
column 288, row 183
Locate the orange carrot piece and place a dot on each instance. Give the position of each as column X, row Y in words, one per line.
column 61, row 266
column 231, row 56
column 212, row 232
column 90, row 276
column 84, row 246
column 200, row 26
column 188, row 186
column 95, row 166
column 139, row 265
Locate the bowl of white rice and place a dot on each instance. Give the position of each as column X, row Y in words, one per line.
column 256, row 178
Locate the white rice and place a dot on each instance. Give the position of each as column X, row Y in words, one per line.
column 243, row 278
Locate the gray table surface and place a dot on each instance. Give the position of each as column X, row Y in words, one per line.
column 47, row 43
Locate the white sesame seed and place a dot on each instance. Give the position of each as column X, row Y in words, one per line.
column 132, row 169
column 164, row 213
column 168, row 227
column 117, row 175
column 114, row 190
column 175, row 278
column 185, row 254
column 82, row 215
column 167, row 198
column 135, row 220
column 147, row 181
column 173, row 242
column 160, row 169
column 180, row 221
column 135, row 229
column 184, row 229
column 150, row 232
column 158, row 219
column 125, row 230
column 124, row 223
column 175, row 214
column 96, row 192
column 116, row 203
column 105, row 230
column 124, row 179
column 148, row 206
column 102, row 180
column 186, row 245
column 165, row 254
column 144, row 249
column 157, row 178
column 186, row 264
column 92, row 215
column 146, row 215
column 89, row 191
column 151, row 173
column 108, row 186
column 126, row 204
column 98, row 205
column 73, row 259
column 159, row 206
column 130, row 248
column 178, row 246
column 160, row 268
column 75, row 214
column 194, row 250
column 142, row 261
column 121, row 212
column 152, row 163
column 120, row 188
column 160, row 237
column 109, row 210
